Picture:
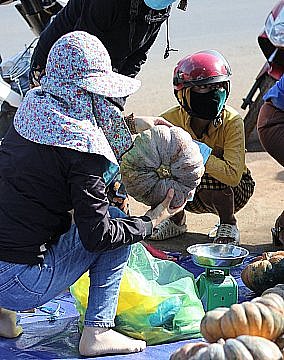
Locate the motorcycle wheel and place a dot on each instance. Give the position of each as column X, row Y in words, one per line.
column 250, row 119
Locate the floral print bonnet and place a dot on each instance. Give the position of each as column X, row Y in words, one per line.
column 70, row 108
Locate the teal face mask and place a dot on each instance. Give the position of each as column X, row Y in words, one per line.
column 208, row 105
column 159, row 4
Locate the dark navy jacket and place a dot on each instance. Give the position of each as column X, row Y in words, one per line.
column 40, row 185
column 126, row 37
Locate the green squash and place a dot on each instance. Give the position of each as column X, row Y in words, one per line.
column 265, row 272
column 162, row 158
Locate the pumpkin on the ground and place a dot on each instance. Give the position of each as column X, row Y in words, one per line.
column 280, row 343
column 262, row 316
column 265, row 272
column 244, row 347
column 162, row 158
column 277, row 289
column 272, row 300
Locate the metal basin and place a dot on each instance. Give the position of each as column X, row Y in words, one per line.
column 217, row 255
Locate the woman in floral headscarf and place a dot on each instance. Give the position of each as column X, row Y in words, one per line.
column 60, row 155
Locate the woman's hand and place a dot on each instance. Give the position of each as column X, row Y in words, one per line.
column 147, row 122
column 163, row 211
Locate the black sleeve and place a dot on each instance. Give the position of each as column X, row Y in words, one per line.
column 93, row 16
column 97, row 230
column 133, row 64
column 63, row 22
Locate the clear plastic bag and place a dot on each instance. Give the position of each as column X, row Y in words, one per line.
column 158, row 299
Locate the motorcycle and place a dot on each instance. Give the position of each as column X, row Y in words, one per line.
column 271, row 43
column 14, row 72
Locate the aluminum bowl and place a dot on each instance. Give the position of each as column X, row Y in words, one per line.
column 217, row 255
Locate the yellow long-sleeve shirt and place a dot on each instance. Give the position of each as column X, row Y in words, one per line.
column 227, row 137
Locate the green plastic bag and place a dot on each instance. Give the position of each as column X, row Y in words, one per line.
column 158, row 299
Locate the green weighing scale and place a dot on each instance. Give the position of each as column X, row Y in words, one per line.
column 216, row 286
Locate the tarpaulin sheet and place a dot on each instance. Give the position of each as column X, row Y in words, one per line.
column 52, row 332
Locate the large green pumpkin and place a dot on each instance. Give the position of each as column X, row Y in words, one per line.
column 162, row 158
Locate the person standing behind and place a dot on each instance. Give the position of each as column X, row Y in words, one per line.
column 202, row 86
column 270, row 127
column 127, row 28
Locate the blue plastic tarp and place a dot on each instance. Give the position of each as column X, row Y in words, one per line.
column 52, row 332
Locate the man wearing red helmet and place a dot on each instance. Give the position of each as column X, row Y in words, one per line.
column 202, row 86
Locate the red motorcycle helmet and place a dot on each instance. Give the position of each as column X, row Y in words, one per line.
column 201, row 68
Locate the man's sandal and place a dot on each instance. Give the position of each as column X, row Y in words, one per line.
column 167, row 229
column 225, row 232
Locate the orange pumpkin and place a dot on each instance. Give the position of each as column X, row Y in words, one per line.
column 265, row 272
column 242, row 348
column 263, row 316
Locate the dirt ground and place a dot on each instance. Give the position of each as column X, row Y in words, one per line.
column 254, row 220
